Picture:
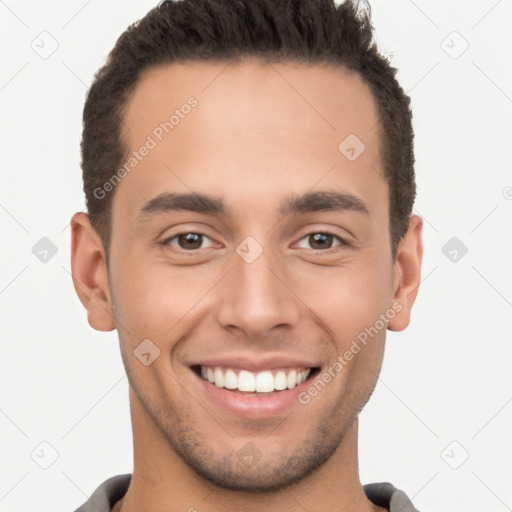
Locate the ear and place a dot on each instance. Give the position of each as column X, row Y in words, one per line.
column 407, row 273
column 89, row 272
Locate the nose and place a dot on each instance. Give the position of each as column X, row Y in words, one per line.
column 256, row 297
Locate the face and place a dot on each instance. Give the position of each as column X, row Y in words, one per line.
column 251, row 248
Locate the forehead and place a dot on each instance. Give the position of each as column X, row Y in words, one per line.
column 255, row 126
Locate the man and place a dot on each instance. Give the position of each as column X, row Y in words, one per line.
column 273, row 138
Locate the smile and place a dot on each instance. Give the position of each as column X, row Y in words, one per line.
column 266, row 381
column 250, row 390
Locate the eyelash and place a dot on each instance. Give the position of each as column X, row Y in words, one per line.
column 343, row 242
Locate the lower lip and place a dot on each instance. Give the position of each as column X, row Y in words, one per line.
column 253, row 407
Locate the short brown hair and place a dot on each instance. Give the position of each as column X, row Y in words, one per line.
column 311, row 31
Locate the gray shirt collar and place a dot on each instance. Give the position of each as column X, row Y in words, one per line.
column 114, row 488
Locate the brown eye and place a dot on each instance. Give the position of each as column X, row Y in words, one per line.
column 323, row 241
column 187, row 241
column 320, row 241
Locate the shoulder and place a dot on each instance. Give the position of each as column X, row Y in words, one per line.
column 387, row 495
column 107, row 494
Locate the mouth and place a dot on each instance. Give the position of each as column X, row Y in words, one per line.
column 261, row 383
column 253, row 387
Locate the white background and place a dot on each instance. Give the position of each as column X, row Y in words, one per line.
column 446, row 378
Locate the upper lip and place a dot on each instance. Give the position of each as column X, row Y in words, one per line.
column 256, row 364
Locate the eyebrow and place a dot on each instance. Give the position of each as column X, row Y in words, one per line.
column 324, row 201
column 201, row 203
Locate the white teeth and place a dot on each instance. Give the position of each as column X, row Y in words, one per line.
column 219, row 377
column 264, row 382
column 246, row 381
column 292, row 379
column 230, row 380
column 280, row 381
column 261, row 382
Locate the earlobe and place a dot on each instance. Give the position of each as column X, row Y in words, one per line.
column 407, row 273
column 89, row 272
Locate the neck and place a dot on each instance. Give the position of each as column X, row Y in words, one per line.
column 163, row 482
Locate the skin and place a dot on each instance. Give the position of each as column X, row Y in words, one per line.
column 252, row 140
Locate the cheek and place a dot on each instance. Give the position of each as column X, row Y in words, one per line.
column 158, row 301
column 349, row 301
column 355, row 292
